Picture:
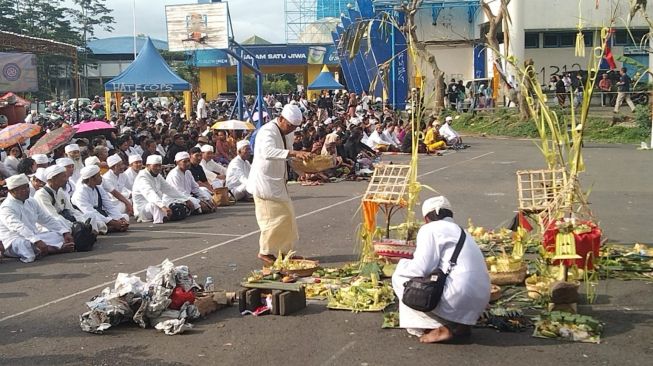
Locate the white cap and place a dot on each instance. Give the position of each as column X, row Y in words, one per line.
column 91, row 160
column 16, row 181
column 206, row 148
column 40, row 175
column 71, row 147
column 328, row 121
column 378, row 99
column 154, row 159
column 89, row 171
column 113, row 160
column 435, row 123
column 292, row 114
column 40, row 159
column 449, row 119
column 355, row 121
column 134, row 158
column 242, row 143
column 64, row 162
column 435, row 204
column 179, row 156
column 53, row 171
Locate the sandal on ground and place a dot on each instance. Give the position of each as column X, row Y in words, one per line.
column 267, row 258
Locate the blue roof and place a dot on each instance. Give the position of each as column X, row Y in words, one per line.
column 148, row 73
column 122, row 45
column 325, row 81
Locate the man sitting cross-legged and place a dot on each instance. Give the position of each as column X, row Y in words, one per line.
column 19, row 215
column 182, row 180
column 153, row 195
column 94, row 201
column 238, row 172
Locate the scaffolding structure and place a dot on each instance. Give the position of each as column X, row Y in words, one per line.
column 308, row 21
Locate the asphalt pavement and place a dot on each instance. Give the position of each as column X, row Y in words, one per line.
column 40, row 302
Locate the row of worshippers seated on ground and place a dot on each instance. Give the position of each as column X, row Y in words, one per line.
column 39, row 211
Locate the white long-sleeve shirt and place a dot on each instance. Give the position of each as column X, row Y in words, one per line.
column 392, row 137
column 150, row 189
column 111, row 182
column 447, row 132
column 18, row 221
column 130, row 175
column 467, row 290
column 237, row 173
column 54, row 205
column 267, row 178
column 377, row 139
column 212, row 169
column 85, row 199
column 183, row 182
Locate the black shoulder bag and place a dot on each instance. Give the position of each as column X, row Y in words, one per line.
column 99, row 207
column 424, row 293
column 65, row 213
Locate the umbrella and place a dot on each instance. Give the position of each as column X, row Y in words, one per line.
column 53, row 140
column 93, row 128
column 233, row 124
column 16, row 134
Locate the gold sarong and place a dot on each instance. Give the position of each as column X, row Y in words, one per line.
column 276, row 219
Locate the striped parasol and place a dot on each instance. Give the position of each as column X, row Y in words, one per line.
column 53, row 140
column 16, row 134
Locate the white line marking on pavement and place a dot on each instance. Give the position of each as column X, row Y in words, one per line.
column 339, row 353
column 30, row 310
column 180, row 232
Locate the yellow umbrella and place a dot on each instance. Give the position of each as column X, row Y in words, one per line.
column 16, row 134
column 233, row 124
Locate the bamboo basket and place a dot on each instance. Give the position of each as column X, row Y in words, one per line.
column 306, row 272
column 221, row 197
column 316, row 164
column 537, row 189
column 509, row 278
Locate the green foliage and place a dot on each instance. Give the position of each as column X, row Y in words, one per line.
column 643, row 118
column 505, row 122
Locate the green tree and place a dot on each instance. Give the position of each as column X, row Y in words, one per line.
column 90, row 15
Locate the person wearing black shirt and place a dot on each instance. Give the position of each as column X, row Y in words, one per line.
column 623, row 89
column 196, row 168
column 561, row 91
column 178, row 145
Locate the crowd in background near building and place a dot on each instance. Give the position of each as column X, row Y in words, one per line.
column 159, row 164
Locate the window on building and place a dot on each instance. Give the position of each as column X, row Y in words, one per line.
column 589, row 39
column 562, row 39
column 550, row 40
column 622, row 38
column 532, row 40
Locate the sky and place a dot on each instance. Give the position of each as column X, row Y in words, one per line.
column 264, row 18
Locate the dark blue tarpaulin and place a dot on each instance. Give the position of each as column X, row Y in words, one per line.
column 325, row 81
column 148, row 73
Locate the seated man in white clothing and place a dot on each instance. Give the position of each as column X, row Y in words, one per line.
column 135, row 166
column 215, row 172
column 378, row 142
column 238, row 172
column 182, row 180
column 56, row 201
column 69, row 165
column 37, row 181
column 153, row 196
column 74, row 153
column 94, row 201
column 452, row 137
column 467, row 290
column 19, row 234
column 113, row 181
column 390, row 135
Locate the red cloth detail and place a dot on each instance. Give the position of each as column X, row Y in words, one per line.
column 523, row 222
column 179, row 297
column 589, row 242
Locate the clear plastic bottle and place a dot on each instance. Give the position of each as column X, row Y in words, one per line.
column 209, row 285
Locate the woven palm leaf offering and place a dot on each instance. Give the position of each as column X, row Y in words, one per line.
column 316, row 164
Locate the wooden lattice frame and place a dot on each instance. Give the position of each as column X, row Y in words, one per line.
column 537, row 189
column 389, row 184
column 571, row 200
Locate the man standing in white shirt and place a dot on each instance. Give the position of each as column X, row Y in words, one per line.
column 182, row 180
column 238, row 172
column 153, row 195
column 267, row 183
column 202, row 109
column 19, row 235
